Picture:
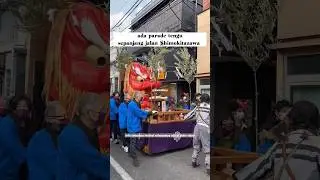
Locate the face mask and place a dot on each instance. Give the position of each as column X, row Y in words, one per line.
column 22, row 114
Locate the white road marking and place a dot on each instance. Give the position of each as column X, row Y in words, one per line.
column 123, row 173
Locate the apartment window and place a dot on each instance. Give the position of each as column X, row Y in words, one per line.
column 303, row 65
column 204, row 85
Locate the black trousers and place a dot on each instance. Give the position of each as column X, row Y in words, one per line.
column 125, row 141
column 133, row 148
column 115, row 128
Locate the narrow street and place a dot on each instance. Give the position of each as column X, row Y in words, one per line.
column 168, row 166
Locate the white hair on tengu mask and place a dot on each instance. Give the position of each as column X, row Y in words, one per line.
column 90, row 101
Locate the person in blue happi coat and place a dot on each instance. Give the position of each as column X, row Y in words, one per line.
column 79, row 155
column 42, row 152
column 114, row 118
column 135, row 117
column 123, row 110
column 14, row 139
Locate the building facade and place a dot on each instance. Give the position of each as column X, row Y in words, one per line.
column 232, row 78
column 168, row 16
column 298, row 51
column 12, row 56
column 114, row 73
column 203, row 53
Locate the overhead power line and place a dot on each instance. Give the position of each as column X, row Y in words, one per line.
column 128, row 13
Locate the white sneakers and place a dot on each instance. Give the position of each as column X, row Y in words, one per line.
column 116, row 141
column 125, row 148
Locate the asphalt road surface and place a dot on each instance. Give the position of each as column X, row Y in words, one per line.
column 168, row 166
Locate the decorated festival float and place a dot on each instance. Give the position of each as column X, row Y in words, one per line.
column 168, row 119
column 74, row 43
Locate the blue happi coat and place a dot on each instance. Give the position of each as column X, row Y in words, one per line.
column 12, row 152
column 264, row 147
column 186, row 106
column 78, row 159
column 42, row 157
column 243, row 143
column 134, row 117
column 113, row 109
column 123, row 110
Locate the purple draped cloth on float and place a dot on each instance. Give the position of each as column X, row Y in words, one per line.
column 159, row 145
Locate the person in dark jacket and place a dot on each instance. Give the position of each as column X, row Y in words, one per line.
column 135, row 117
column 123, row 111
column 42, row 152
column 14, row 137
column 79, row 152
column 3, row 108
column 114, row 116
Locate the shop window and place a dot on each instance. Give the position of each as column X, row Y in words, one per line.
column 303, row 65
column 308, row 93
column 204, row 85
column 205, row 81
column 205, row 91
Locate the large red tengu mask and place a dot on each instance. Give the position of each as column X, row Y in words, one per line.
column 141, row 78
column 77, row 57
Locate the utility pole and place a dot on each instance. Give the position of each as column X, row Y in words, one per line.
column 195, row 14
column 195, row 25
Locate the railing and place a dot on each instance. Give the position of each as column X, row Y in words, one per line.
column 223, row 159
column 165, row 117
